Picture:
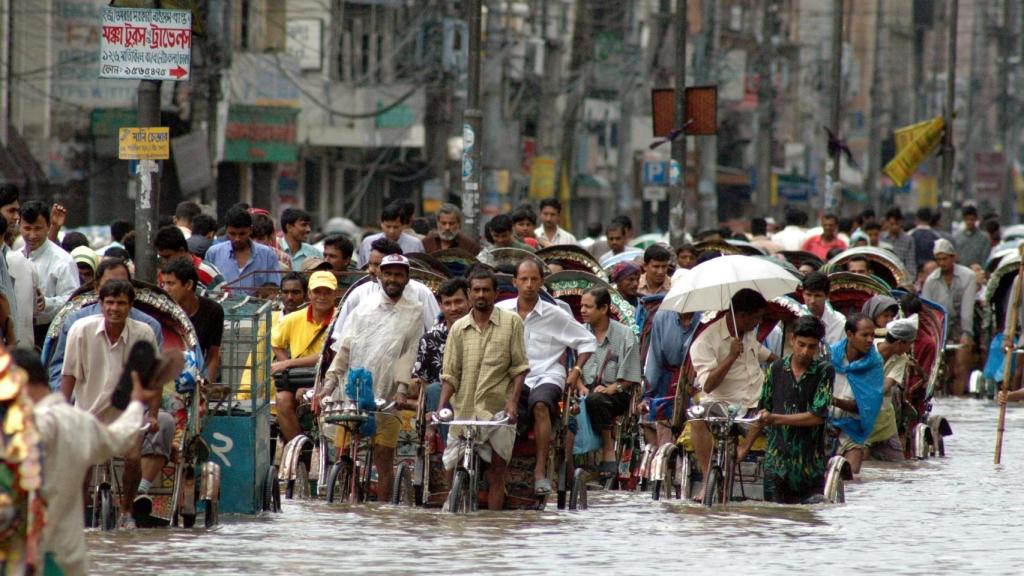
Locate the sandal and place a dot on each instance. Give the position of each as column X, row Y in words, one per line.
column 543, row 487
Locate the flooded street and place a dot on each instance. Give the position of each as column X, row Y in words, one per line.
column 937, row 516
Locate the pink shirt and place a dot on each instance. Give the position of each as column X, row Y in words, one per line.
column 820, row 247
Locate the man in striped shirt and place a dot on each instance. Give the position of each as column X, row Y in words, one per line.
column 170, row 243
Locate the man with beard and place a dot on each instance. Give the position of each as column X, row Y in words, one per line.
column 448, row 234
column 245, row 264
column 483, row 374
column 381, row 338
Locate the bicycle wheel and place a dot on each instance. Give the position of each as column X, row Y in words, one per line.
column 713, row 486
column 578, row 494
column 401, row 487
column 272, row 491
column 107, row 519
column 212, row 515
column 458, row 496
column 339, row 481
column 299, row 487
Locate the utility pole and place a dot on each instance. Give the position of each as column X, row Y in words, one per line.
column 148, row 203
column 438, row 114
column 948, row 151
column 5, row 69
column 765, row 106
column 677, row 196
column 551, row 83
column 875, row 127
column 579, row 73
column 833, row 186
column 706, row 73
column 630, row 68
column 976, row 111
column 1008, row 105
column 472, row 125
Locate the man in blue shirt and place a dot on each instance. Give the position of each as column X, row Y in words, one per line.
column 245, row 264
column 53, row 350
column 671, row 334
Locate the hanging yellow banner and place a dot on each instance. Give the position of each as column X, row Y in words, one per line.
column 907, row 134
column 925, row 140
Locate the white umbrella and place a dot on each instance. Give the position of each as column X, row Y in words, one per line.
column 712, row 284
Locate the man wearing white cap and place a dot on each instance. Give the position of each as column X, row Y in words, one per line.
column 954, row 287
column 893, row 343
column 381, row 337
column 297, row 341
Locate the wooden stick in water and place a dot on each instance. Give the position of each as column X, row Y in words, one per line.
column 1009, row 335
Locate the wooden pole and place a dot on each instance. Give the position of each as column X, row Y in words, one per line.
column 1008, row 336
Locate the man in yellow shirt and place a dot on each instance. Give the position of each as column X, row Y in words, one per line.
column 297, row 341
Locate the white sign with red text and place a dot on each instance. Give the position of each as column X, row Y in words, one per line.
column 146, row 44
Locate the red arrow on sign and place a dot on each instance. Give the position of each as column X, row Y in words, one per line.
column 178, row 72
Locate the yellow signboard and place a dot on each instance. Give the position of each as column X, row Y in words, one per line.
column 144, row 143
column 926, row 139
column 908, row 134
column 927, row 191
column 542, row 177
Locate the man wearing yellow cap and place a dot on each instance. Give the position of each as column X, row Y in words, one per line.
column 297, row 341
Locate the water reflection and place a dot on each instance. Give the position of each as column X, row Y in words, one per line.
column 936, row 516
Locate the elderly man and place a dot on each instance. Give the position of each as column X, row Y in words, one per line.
column 57, row 271
column 816, row 288
column 297, row 342
column 893, row 343
column 972, row 245
column 449, row 233
column 955, row 288
column 382, row 338
column 485, row 366
column 295, row 224
column 626, row 277
column 549, row 233
column 727, row 359
column 391, row 224
column 550, row 331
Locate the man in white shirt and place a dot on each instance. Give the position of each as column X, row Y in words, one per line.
column 793, row 235
column 414, row 291
column 21, row 314
column 549, row 332
column 382, row 338
column 727, row 359
column 58, row 273
column 391, row 224
column 816, row 290
column 549, row 233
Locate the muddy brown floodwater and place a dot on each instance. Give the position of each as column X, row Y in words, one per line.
column 953, row 515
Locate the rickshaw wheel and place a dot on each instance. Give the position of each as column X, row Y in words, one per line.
column 712, row 486
column 401, row 488
column 338, row 481
column 299, row 487
column 105, row 505
column 212, row 516
column 578, row 495
column 458, row 497
column 272, row 491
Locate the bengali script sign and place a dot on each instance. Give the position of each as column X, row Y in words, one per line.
column 144, row 143
column 146, row 44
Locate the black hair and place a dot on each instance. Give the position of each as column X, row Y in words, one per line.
column 523, row 213
column 449, row 287
column 858, row 258
column 116, row 253
column 408, row 210
column 594, row 229
column 924, row 214
column 33, row 209
column 238, row 217
column 420, row 226
column 187, row 210
column 795, row 217
column 164, row 220
column 552, row 202
column 602, row 299
column 817, row 282
column 969, row 210
column 296, row 277
column 386, row 247
column 758, row 226
column 830, row 216
column 808, row 326
column 833, row 253
column 117, row 288
column 483, row 273
column 708, row 255
column 9, row 194
column 845, row 225
column 203, row 224
column 658, row 253
column 856, row 318
column 623, row 220
column 911, row 304
column 170, row 238
column 182, row 269
column 501, row 224
column 118, row 228
column 616, row 225
column 748, row 301
column 29, row 361
column 109, row 262
column 992, row 226
column 262, row 226
column 72, row 240
column 391, row 212
column 866, row 214
column 342, row 242
column 894, row 213
column 293, row 216
column 534, row 263
column 873, row 225
column 686, row 247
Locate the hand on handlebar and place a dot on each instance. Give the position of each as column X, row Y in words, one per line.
column 764, row 418
column 511, row 411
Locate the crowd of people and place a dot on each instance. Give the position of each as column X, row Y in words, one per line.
column 479, row 356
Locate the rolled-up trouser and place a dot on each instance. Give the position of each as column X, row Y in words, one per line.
column 159, row 443
column 602, row 409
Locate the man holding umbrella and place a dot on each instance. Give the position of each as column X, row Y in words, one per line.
column 727, row 359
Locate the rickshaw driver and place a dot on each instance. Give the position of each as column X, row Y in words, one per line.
column 484, row 371
column 549, row 332
column 727, row 359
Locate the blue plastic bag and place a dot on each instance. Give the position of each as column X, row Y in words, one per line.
column 586, row 439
